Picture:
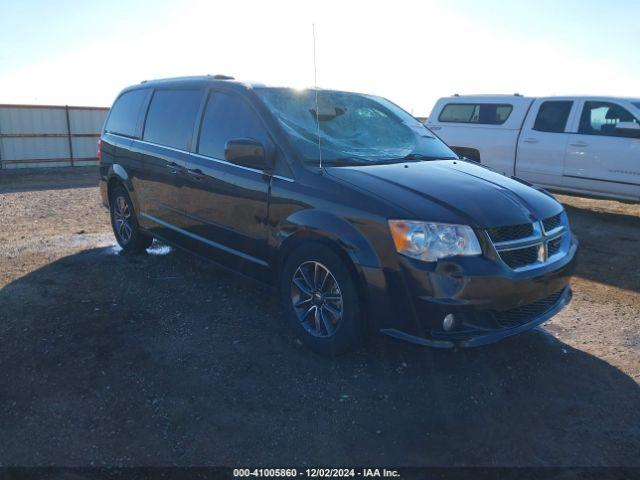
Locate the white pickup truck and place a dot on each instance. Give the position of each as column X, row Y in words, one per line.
column 588, row 145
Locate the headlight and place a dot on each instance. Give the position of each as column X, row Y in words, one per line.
column 431, row 241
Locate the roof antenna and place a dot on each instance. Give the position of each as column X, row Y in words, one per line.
column 315, row 87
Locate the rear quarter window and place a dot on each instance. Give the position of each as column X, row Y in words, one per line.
column 125, row 113
column 477, row 113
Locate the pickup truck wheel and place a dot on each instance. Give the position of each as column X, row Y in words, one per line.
column 320, row 299
column 125, row 224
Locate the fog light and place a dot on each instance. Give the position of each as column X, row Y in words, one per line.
column 448, row 322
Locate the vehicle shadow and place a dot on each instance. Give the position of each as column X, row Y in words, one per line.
column 612, row 218
column 164, row 360
column 607, row 241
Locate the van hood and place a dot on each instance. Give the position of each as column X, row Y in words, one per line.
column 452, row 191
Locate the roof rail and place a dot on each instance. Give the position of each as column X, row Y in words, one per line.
column 216, row 77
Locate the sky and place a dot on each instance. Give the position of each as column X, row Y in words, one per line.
column 411, row 52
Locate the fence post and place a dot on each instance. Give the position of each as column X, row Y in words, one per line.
column 66, row 109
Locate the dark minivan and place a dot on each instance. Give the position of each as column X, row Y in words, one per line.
column 363, row 219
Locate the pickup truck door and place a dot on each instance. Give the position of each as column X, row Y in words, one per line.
column 543, row 142
column 602, row 159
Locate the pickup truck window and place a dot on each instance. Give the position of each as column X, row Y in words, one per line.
column 480, row 113
column 601, row 118
column 552, row 116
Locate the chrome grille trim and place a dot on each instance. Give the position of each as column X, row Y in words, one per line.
column 552, row 223
column 529, row 241
column 521, row 242
column 555, row 230
column 509, row 233
column 539, row 239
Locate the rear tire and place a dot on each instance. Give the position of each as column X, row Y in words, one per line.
column 320, row 299
column 125, row 223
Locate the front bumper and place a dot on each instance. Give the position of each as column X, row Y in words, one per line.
column 489, row 301
column 478, row 337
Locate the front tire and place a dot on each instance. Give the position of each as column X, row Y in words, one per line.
column 125, row 223
column 320, row 299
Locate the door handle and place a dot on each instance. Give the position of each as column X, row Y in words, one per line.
column 530, row 140
column 175, row 168
column 195, row 173
column 579, row 144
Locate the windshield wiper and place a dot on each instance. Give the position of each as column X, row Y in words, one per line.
column 420, row 156
column 412, row 157
column 352, row 161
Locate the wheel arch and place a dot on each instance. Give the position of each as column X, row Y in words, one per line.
column 299, row 239
column 325, row 227
column 303, row 237
column 340, row 236
column 117, row 175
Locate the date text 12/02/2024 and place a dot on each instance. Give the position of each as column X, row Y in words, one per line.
column 315, row 472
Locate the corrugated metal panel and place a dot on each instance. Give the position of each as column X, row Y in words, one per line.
column 42, row 165
column 32, row 120
column 86, row 121
column 26, row 148
column 85, row 147
column 32, row 135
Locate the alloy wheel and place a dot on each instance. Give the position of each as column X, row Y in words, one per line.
column 316, row 299
column 122, row 219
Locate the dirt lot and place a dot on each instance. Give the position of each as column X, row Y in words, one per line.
column 162, row 359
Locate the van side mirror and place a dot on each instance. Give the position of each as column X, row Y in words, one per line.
column 247, row 152
column 629, row 129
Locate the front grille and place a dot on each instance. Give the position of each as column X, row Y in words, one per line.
column 554, row 245
column 551, row 223
column 521, row 246
column 526, row 313
column 520, row 257
column 511, row 232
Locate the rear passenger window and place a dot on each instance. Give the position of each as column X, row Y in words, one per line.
column 480, row 113
column 228, row 116
column 171, row 117
column 125, row 113
column 552, row 116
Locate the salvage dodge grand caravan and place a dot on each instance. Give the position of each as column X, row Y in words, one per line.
column 362, row 218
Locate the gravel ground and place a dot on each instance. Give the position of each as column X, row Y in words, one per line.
column 162, row 359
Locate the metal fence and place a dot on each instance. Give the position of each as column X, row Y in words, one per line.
column 49, row 135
